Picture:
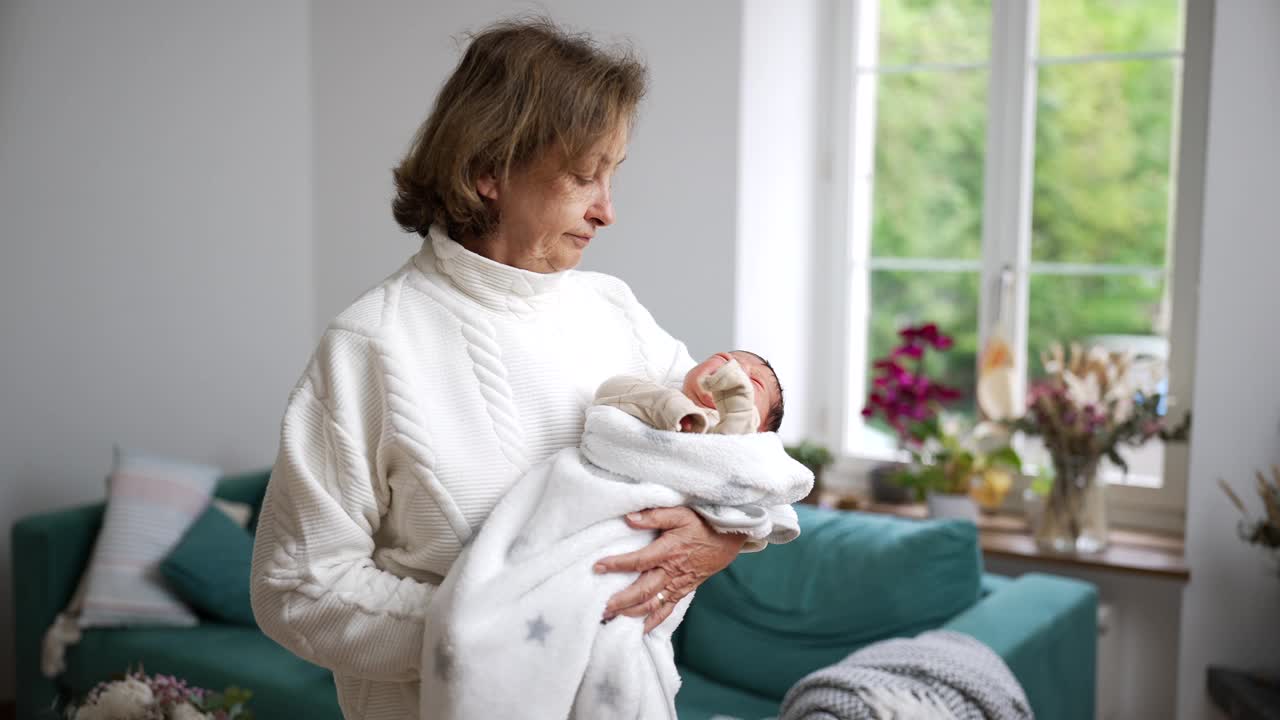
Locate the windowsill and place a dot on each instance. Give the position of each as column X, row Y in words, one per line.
column 1132, row 552
column 1137, row 506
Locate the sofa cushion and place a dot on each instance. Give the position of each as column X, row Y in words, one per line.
column 210, row 656
column 849, row 579
column 210, row 567
column 248, row 488
column 703, row 699
column 151, row 502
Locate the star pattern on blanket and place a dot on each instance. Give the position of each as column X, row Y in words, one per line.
column 608, row 693
column 443, row 661
column 538, row 630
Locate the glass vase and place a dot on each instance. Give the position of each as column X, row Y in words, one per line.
column 1074, row 518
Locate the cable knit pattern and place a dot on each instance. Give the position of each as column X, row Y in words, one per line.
column 483, row 348
column 423, row 403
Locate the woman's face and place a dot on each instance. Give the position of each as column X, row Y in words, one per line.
column 547, row 214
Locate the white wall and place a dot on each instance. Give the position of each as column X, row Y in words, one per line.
column 377, row 72
column 155, row 266
column 778, row 192
column 1229, row 609
column 188, row 192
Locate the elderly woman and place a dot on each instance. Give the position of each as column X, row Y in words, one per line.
column 434, row 391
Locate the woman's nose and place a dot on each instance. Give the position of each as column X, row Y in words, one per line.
column 601, row 212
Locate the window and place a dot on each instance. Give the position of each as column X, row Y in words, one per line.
column 1011, row 163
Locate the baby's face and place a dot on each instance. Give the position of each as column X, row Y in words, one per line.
column 762, row 379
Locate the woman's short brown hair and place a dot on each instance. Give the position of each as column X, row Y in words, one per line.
column 522, row 88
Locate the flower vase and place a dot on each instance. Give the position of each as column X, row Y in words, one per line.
column 1074, row 517
column 946, row 505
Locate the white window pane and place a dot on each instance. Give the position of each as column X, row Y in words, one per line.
column 927, row 195
column 1070, row 308
column 934, row 31
column 1104, row 134
column 1088, row 27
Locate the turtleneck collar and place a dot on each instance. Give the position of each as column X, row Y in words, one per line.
column 499, row 287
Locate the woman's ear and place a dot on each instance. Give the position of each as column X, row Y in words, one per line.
column 487, row 186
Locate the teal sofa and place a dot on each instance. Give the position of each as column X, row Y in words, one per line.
column 754, row 629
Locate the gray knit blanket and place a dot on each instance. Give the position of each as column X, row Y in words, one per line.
column 939, row 674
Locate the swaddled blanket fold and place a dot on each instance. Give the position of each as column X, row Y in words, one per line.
column 939, row 675
column 515, row 630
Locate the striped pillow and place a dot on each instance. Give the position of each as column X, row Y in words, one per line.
column 150, row 503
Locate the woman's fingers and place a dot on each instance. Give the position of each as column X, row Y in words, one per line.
column 636, row 598
column 640, row 560
column 659, row 615
column 662, row 518
column 650, row 556
column 686, row 553
column 646, row 558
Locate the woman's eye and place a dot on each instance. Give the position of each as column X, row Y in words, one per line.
column 583, row 179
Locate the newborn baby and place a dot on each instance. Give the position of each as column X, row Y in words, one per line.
column 731, row 393
column 514, row 630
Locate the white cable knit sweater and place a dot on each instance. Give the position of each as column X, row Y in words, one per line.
column 424, row 401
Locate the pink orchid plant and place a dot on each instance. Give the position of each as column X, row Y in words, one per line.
column 907, row 398
column 943, row 459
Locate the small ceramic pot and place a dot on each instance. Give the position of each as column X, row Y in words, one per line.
column 942, row 505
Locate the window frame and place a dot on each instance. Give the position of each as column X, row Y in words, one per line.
column 1009, row 166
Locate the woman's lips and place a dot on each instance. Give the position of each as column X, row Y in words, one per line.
column 580, row 240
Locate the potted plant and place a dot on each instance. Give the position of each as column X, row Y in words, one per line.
column 953, row 474
column 1086, row 408
column 1265, row 531
column 163, row 697
column 950, row 469
column 815, row 457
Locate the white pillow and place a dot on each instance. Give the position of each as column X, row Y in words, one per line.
column 151, row 502
column 238, row 512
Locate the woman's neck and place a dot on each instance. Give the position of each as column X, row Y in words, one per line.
column 506, row 251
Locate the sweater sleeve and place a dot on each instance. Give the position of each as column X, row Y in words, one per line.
column 658, row 406
column 315, row 587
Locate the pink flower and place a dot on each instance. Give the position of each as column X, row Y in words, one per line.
column 912, row 351
column 946, row 394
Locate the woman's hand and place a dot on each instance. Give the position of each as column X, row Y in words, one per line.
column 686, row 553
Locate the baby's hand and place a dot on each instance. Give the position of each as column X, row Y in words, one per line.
column 728, row 378
column 731, row 390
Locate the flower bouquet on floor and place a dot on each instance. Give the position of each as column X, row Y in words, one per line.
column 1090, row 403
column 138, row 696
column 952, row 469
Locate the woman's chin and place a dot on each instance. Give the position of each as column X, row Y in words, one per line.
column 570, row 257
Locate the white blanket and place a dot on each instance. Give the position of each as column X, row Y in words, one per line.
column 515, row 629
